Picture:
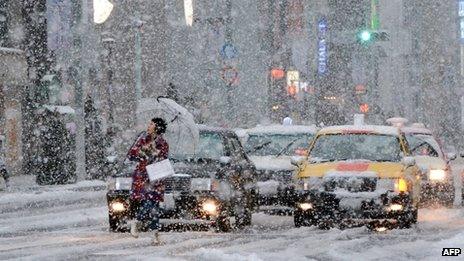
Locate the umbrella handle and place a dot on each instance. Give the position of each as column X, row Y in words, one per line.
column 161, row 96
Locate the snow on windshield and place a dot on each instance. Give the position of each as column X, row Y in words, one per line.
column 335, row 147
column 210, row 147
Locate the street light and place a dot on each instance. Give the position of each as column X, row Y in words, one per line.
column 101, row 10
column 108, row 43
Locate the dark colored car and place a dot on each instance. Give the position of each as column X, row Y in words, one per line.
column 214, row 184
column 4, row 172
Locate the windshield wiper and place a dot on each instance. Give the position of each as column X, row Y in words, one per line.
column 418, row 146
column 384, row 160
column 260, row 146
column 286, row 147
column 330, row 160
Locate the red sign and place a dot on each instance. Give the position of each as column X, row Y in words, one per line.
column 277, row 73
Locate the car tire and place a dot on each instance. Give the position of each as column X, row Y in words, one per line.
column 407, row 219
column 115, row 225
column 243, row 219
column 302, row 220
column 298, row 219
column 223, row 223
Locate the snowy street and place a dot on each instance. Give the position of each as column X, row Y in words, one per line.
column 70, row 222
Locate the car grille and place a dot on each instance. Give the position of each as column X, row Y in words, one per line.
column 351, row 184
column 284, row 176
column 177, row 183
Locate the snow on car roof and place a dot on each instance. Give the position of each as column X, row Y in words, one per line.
column 280, row 129
column 202, row 127
column 378, row 129
column 415, row 130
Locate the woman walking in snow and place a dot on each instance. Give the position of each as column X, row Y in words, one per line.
column 149, row 148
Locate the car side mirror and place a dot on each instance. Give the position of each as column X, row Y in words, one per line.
column 408, row 161
column 461, row 154
column 225, row 160
column 451, row 156
column 297, row 160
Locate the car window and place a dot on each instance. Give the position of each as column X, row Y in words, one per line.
column 210, row 146
column 423, row 145
column 375, row 147
column 273, row 144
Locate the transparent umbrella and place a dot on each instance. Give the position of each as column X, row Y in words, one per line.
column 182, row 133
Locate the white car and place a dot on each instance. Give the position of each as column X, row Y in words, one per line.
column 271, row 149
column 437, row 179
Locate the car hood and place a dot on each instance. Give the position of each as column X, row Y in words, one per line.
column 426, row 163
column 382, row 169
column 197, row 168
column 272, row 162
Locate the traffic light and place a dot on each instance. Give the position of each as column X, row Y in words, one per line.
column 364, row 108
column 366, row 36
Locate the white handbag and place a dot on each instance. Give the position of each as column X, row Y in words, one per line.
column 160, row 170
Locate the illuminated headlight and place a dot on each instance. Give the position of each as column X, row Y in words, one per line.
column 210, row 207
column 117, row 206
column 381, row 229
column 311, row 183
column 305, row 206
column 395, row 207
column 437, row 175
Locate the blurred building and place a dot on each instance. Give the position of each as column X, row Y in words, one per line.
column 414, row 72
column 13, row 82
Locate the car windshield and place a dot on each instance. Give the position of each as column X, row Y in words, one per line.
column 374, row 147
column 273, row 144
column 210, row 146
column 423, row 145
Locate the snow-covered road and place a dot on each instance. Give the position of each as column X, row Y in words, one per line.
column 70, row 222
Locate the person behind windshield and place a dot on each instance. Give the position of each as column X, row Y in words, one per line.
column 149, row 148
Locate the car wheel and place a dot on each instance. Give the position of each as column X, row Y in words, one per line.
column 114, row 224
column 298, row 219
column 243, row 219
column 223, row 223
column 117, row 225
column 407, row 219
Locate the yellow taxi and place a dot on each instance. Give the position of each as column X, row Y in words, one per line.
column 357, row 175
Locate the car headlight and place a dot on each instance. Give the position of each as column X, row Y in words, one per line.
column 310, row 183
column 437, row 175
column 395, row 207
column 210, row 207
column 117, row 206
column 305, row 206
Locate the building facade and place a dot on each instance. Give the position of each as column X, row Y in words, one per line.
column 13, row 82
